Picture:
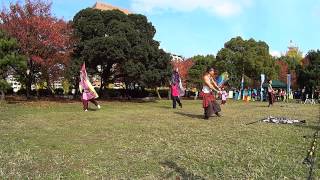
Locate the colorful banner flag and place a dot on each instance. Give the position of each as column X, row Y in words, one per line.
column 288, row 84
column 263, row 77
column 224, row 77
column 85, row 85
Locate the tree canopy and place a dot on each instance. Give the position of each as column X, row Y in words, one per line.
column 42, row 38
column 201, row 63
column 11, row 62
column 122, row 45
column 247, row 57
column 309, row 75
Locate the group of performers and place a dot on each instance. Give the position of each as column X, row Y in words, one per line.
column 210, row 86
column 210, row 104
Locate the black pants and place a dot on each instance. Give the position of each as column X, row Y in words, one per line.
column 176, row 99
column 213, row 108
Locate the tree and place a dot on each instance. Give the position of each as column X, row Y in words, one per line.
column 201, row 63
column 287, row 65
column 11, row 62
column 246, row 57
column 183, row 68
column 101, row 41
column 122, row 46
column 42, row 38
column 295, row 55
column 309, row 75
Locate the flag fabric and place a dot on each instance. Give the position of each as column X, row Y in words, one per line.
column 288, row 83
column 263, row 77
column 224, row 77
column 242, row 82
column 85, row 86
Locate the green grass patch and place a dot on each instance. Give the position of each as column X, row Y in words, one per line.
column 123, row 140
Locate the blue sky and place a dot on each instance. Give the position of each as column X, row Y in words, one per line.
column 192, row 27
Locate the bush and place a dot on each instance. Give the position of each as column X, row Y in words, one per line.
column 59, row 91
column 22, row 91
column 9, row 91
column 45, row 92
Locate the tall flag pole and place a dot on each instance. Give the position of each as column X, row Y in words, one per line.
column 241, row 89
column 288, row 86
column 263, row 77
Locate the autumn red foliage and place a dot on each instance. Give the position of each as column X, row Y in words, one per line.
column 284, row 71
column 183, row 67
column 44, row 39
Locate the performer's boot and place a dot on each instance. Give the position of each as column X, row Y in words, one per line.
column 206, row 116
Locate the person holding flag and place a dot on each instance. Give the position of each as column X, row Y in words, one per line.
column 176, row 89
column 87, row 90
column 209, row 102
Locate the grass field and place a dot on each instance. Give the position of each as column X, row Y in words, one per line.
column 125, row 140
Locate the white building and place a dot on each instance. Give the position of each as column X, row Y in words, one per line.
column 14, row 83
column 175, row 57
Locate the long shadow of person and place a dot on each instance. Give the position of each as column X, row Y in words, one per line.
column 194, row 116
column 183, row 173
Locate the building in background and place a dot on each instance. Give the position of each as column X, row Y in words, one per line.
column 175, row 57
column 106, row 7
column 14, row 83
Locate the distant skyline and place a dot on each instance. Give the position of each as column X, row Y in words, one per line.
column 192, row 27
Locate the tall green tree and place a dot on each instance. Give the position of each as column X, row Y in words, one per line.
column 309, row 75
column 123, row 46
column 11, row 62
column 246, row 57
column 201, row 63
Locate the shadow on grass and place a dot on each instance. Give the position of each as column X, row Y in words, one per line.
column 164, row 107
column 314, row 127
column 92, row 109
column 184, row 174
column 194, row 116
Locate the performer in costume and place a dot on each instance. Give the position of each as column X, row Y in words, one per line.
column 270, row 94
column 87, row 90
column 224, row 95
column 209, row 102
column 176, row 89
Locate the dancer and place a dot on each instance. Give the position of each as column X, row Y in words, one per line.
column 270, row 93
column 209, row 102
column 176, row 89
column 87, row 90
column 224, row 95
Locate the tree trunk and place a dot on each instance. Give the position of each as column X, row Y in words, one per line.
column 157, row 91
column 101, row 87
column 76, row 91
column 28, row 87
column 49, row 88
column 2, row 95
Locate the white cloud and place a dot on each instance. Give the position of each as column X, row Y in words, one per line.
column 275, row 53
column 223, row 8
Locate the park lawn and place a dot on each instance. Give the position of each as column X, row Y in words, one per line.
column 127, row 140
